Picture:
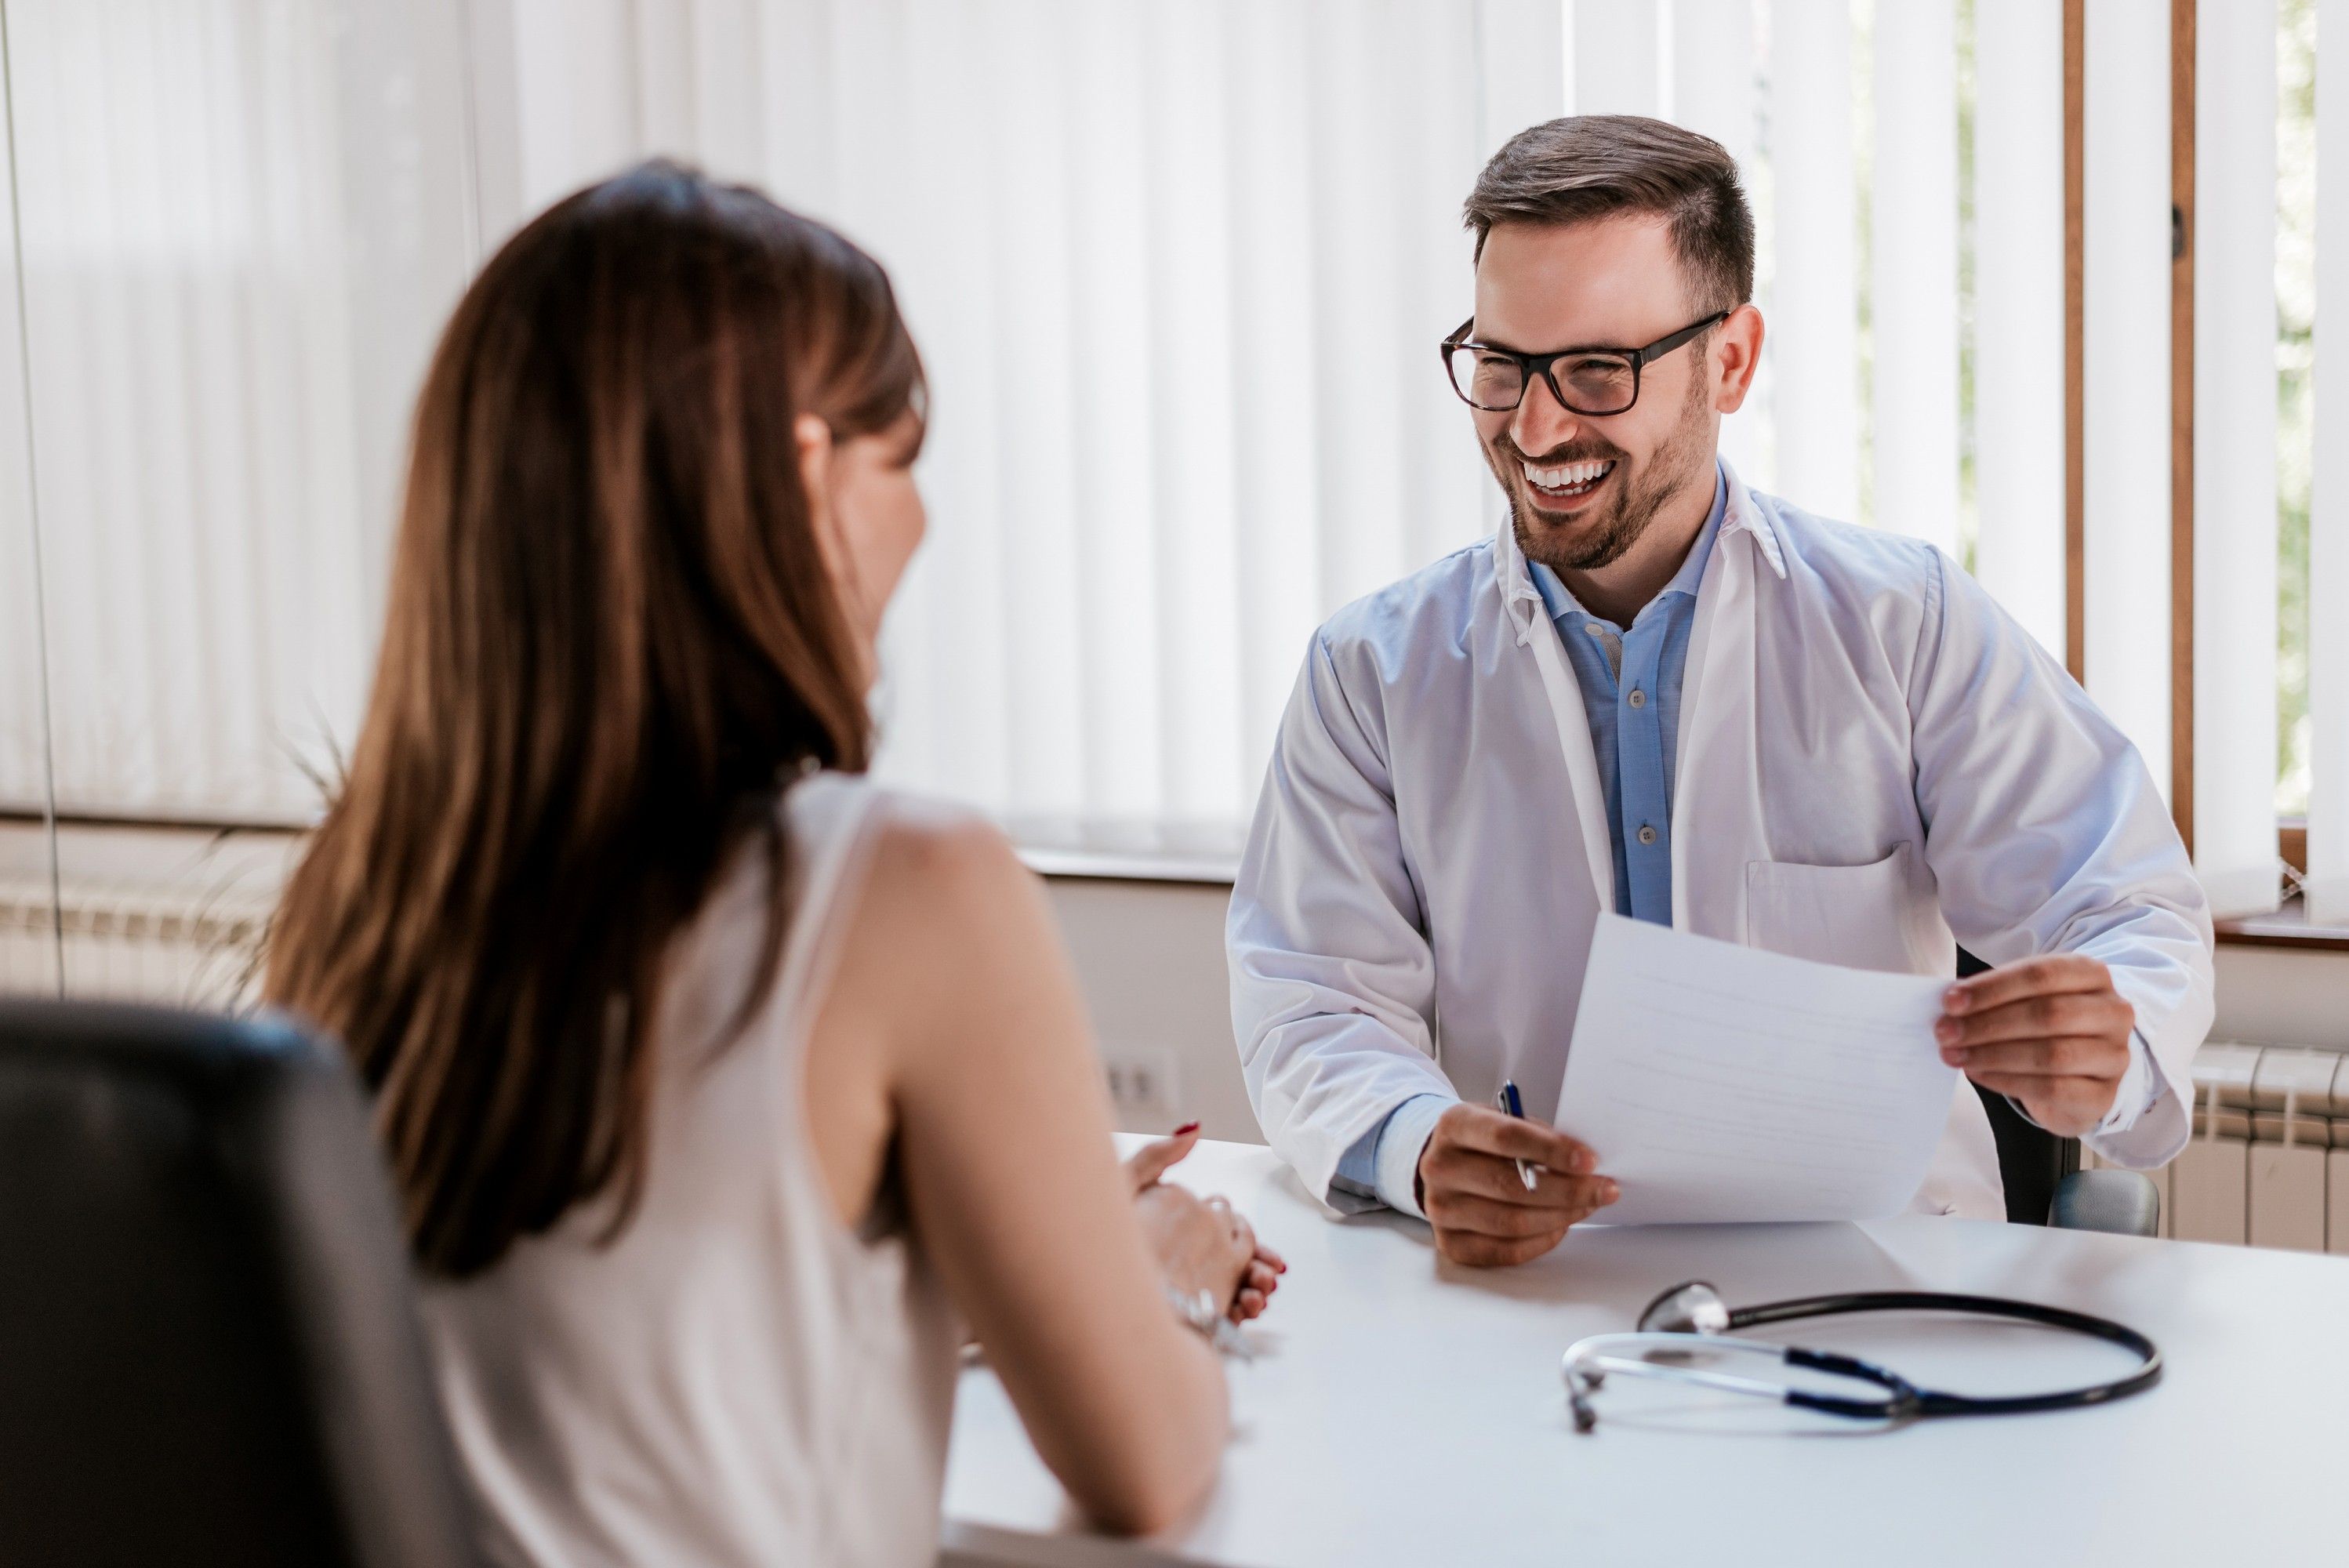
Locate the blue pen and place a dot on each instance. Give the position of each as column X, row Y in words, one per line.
column 1506, row 1102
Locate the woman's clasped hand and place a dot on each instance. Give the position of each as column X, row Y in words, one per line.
column 1201, row 1243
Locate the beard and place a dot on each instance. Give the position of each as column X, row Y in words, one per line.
column 1601, row 534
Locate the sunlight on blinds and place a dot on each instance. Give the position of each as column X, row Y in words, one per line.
column 1137, row 518
column 2018, row 235
column 2125, row 248
column 2234, row 414
column 1178, row 272
column 2328, row 543
column 1813, row 303
column 1612, row 58
column 1714, row 76
column 231, row 268
column 24, row 676
column 1913, row 231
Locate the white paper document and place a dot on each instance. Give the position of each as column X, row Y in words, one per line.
column 1724, row 1083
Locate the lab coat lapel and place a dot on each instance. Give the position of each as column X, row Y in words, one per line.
column 1529, row 617
column 1717, row 824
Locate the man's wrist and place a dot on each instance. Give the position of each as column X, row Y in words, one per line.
column 2140, row 1087
column 2135, row 1092
column 1400, row 1143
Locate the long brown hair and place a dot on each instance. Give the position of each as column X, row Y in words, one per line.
column 610, row 641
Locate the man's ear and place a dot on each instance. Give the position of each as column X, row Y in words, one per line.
column 1736, row 351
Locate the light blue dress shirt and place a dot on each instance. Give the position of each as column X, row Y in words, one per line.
column 1630, row 680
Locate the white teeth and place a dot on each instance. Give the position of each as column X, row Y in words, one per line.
column 1571, row 475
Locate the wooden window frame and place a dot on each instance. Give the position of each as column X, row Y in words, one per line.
column 2289, row 926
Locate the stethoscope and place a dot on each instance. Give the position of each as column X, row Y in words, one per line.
column 1693, row 1319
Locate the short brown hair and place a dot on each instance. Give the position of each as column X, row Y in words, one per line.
column 1589, row 165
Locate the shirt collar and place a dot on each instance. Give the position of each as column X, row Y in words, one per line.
column 1559, row 601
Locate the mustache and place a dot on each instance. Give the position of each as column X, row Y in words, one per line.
column 1574, row 452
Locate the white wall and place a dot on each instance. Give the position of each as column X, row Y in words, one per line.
column 1150, row 956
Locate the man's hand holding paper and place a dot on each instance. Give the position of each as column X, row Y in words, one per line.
column 2051, row 1032
column 1726, row 1083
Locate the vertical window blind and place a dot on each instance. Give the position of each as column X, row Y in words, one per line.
column 2125, row 308
column 1811, row 305
column 236, row 223
column 1123, row 574
column 2016, row 370
column 2234, row 560
column 1913, row 230
column 2328, row 532
column 1178, row 270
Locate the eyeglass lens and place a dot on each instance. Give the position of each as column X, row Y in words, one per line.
column 1592, row 383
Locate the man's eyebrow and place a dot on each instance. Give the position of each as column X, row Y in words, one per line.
column 1480, row 340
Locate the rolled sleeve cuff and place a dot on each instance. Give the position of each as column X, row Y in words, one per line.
column 2141, row 1084
column 2140, row 1089
column 1402, row 1139
column 2148, row 1123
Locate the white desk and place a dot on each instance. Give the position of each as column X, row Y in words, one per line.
column 1405, row 1411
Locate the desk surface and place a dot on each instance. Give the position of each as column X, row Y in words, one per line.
column 1403, row 1411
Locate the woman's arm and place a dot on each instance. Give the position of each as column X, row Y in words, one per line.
column 954, row 974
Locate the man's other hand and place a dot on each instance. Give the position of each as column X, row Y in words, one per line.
column 2049, row 1032
column 1482, row 1210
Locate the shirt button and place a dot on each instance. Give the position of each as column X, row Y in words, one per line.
column 1593, row 628
column 1639, row 697
column 1646, row 834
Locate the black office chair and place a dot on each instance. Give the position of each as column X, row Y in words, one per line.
column 208, row 1348
column 2044, row 1184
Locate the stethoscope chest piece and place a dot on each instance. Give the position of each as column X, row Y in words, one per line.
column 1692, row 1308
column 1691, row 1321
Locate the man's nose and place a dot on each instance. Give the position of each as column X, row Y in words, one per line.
column 1541, row 422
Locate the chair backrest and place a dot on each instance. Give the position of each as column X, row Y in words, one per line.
column 208, row 1352
column 2031, row 1160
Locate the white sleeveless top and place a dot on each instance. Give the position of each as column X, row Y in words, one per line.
column 737, row 1379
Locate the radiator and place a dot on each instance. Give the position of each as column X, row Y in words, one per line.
column 2269, row 1164
column 134, row 944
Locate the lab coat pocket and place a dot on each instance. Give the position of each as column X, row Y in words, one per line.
column 1862, row 917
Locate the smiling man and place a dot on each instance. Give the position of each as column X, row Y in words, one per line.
column 1656, row 692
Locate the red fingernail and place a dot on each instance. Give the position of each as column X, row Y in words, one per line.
column 1187, row 1129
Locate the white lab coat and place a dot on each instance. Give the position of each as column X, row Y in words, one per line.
column 1872, row 756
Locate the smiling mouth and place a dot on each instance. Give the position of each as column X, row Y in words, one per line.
column 1568, row 482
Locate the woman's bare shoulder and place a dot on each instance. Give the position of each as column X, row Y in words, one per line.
column 931, row 850
column 947, row 905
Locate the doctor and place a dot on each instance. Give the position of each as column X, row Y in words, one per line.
column 1656, row 692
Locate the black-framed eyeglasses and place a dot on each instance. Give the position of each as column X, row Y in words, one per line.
column 1592, row 381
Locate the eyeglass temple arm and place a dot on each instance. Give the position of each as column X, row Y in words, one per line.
column 1664, row 345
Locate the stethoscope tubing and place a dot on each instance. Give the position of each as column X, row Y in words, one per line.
column 1930, row 1402
column 1590, row 1360
column 1594, row 1358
